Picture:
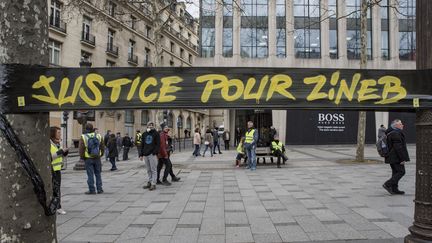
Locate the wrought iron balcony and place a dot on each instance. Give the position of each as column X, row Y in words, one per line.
column 57, row 23
column 88, row 38
column 112, row 49
column 133, row 59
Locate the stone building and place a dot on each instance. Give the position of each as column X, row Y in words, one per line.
column 115, row 33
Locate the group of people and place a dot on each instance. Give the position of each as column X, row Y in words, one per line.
column 114, row 145
column 211, row 140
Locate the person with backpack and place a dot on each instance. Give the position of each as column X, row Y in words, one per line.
column 57, row 155
column 112, row 151
column 396, row 156
column 150, row 145
column 91, row 149
column 278, row 150
column 127, row 144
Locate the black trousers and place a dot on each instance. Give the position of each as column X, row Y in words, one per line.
column 280, row 155
column 56, row 181
column 216, row 144
column 398, row 171
column 226, row 144
column 168, row 169
column 126, row 153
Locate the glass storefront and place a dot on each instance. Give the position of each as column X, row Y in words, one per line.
column 262, row 120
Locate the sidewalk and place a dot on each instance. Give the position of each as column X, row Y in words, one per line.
column 312, row 198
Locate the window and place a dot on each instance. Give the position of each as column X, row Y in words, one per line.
column 254, row 29
column 208, row 12
column 190, row 58
column 86, row 27
column 385, row 28
column 162, row 60
column 307, row 39
column 133, row 22
column 129, row 116
column 110, row 63
column 181, row 53
column 55, row 13
column 280, row 29
column 170, row 120
column 145, row 117
column 85, row 59
column 181, row 30
column 111, row 8
column 148, row 31
column 131, row 49
column 407, row 30
column 353, row 12
column 110, row 39
column 333, row 30
column 147, row 58
column 172, row 47
column 54, row 52
column 172, row 63
column 189, row 36
column 227, row 43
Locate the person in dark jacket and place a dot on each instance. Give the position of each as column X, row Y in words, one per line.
column 164, row 158
column 127, row 144
column 150, row 145
column 112, row 151
column 397, row 156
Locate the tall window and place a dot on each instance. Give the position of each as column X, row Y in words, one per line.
column 280, row 29
column 145, row 117
column 55, row 13
column 129, row 116
column 307, row 42
column 254, row 29
column 333, row 29
column 54, row 52
column 385, row 28
column 111, row 8
column 131, row 49
column 110, row 39
column 147, row 58
column 353, row 12
column 227, row 48
column 110, row 63
column 148, row 32
column 407, row 30
column 208, row 13
column 133, row 22
column 86, row 28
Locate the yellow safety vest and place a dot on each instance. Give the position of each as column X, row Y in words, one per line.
column 240, row 148
column 58, row 162
column 84, row 137
column 277, row 146
column 249, row 136
column 138, row 138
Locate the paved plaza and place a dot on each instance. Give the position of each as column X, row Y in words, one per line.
column 312, row 198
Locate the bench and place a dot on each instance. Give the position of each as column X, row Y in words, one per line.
column 264, row 152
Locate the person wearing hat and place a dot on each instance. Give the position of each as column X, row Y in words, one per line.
column 150, row 145
column 278, row 150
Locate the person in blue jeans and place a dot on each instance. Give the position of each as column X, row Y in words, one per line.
column 251, row 139
column 93, row 164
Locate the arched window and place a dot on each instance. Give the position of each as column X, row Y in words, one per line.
column 189, row 123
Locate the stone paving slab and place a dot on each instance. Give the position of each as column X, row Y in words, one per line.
column 311, row 199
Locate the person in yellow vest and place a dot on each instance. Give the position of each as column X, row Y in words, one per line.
column 91, row 149
column 240, row 152
column 250, row 143
column 138, row 139
column 278, row 150
column 57, row 155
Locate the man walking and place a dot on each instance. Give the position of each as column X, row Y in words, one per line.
column 251, row 139
column 119, row 143
column 226, row 138
column 397, row 156
column 91, row 148
column 127, row 144
column 150, row 144
column 216, row 142
column 105, row 141
column 164, row 154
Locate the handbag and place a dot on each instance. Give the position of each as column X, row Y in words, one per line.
column 206, row 142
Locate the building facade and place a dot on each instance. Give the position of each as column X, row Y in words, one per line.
column 121, row 34
column 303, row 34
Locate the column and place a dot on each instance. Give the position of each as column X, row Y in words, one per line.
column 325, row 34
column 272, row 28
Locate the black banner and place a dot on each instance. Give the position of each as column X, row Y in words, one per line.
column 34, row 89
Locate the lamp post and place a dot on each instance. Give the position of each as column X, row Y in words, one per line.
column 82, row 115
column 64, row 126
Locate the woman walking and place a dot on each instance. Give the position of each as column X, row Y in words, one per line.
column 208, row 142
column 197, row 142
column 112, row 151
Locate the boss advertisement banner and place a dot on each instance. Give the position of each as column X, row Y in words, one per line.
column 34, row 89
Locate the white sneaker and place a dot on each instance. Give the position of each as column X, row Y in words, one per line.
column 61, row 211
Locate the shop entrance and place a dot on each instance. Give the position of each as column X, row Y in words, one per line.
column 262, row 120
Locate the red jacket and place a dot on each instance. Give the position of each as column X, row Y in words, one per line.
column 163, row 145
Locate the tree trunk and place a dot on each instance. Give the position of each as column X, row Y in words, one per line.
column 24, row 40
column 421, row 231
column 363, row 65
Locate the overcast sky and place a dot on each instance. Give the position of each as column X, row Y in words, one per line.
column 192, row 7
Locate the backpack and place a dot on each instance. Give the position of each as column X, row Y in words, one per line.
column 382, row 146
column 93, row 146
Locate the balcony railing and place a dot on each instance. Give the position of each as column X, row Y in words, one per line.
column 88, row 38
column 112, row 49
column 57, row 24
column 182, row 38
column 133, row 59
column 147, row 63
